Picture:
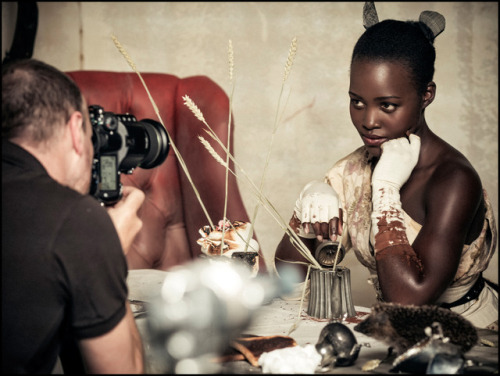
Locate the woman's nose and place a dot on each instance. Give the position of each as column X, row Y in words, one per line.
column 370, row 120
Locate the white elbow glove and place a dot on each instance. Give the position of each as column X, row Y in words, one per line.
column 399, row 157
column 318, row 202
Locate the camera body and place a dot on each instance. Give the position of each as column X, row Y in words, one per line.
column 121, row 144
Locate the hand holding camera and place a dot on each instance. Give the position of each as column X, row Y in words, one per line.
column 121, row 144
column 124, row 215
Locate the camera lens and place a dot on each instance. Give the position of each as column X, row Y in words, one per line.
column 147, row 144
column 159, row 144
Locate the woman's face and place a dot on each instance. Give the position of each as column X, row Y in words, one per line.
column 383, row 102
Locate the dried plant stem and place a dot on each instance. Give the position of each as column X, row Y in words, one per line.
column 337, row 254
column 289, row 60
column 230, row 54
column 295, row 239
column 294, row 262
column 172, row 143
column 262, row 200
column 295, row 324
column 212, row 152
column 288, row 67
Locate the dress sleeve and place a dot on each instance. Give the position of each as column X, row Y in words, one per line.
column 92, row 267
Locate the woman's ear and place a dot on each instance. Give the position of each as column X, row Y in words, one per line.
column 75, row 124
column 429, row 95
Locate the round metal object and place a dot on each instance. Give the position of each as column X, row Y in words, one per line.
column 326, row 253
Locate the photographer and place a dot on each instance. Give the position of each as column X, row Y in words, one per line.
column 63, row 265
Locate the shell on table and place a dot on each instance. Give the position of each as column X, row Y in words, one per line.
column 234, row 245
column 235, row 239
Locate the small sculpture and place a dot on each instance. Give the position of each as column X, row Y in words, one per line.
column 337, row 345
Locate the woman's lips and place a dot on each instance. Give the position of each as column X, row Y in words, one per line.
column 373, row 140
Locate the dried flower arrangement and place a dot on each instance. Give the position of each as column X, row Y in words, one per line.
column 257, row 191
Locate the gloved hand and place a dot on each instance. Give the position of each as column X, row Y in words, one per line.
column 399, row 157
column 319, row 210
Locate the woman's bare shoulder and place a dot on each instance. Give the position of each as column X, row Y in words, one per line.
column 455, row 177
column 453, row 164
column 454, row 195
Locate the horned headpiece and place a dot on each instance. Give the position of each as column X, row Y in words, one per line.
column 433, row 20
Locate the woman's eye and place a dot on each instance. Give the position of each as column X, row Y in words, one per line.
column 357, row 103
column 389, row 107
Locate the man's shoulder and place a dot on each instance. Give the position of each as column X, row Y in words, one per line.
column 84, row 214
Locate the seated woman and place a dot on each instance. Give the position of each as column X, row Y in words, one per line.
column 413, row 207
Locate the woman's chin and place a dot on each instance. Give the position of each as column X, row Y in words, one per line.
column 374, row 151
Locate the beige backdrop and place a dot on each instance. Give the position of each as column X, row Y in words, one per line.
column 191, row 38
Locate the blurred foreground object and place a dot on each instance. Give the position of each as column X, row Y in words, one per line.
column 433, row 355
column 202, row 307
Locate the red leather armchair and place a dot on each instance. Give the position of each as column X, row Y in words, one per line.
column 171, row 214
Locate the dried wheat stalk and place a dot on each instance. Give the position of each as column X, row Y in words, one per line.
column 288, row 66
column 127, row 57
column 264, row 201
column 230, row 54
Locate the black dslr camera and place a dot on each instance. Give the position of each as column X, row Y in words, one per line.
column 121, row 143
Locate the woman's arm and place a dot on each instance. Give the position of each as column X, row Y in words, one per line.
column 287, row 251
column 419, row 273
column 316, row 217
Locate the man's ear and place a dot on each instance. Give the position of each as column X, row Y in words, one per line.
column 75, row 124
column 429, row 94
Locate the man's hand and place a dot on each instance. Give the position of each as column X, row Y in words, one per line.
column 318, row 212
column 399, row 157
column 124, row 215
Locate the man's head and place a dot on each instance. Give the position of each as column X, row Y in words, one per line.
column 36, row 100
column 44, row 111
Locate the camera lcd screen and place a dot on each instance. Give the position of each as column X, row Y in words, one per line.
column 108, row 173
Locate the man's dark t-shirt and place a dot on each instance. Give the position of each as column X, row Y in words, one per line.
column 63, row 269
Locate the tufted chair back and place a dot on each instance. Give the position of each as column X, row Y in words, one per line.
column 171, row 214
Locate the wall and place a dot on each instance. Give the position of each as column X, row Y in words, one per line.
column 191, row 38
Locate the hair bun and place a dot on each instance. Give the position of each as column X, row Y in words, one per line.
column 434, row 21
